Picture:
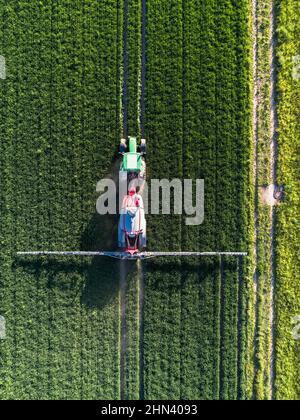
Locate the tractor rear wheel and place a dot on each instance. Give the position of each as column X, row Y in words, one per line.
column 122, row 147
column 143, row 147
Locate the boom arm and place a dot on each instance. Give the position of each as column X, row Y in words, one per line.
column 126, row 256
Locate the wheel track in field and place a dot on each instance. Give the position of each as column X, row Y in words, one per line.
column 221, row 325
column 141, row 292
column 273, row 169
column 123, row 340
column 143, row 67
column 240, row 327
column 274, row 155
column 255, row 127
column 122, row 267
column 183, row 151
column 255, row 174
column 140, row 265
column 125, row 89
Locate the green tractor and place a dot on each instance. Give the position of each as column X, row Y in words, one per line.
column 133, row 161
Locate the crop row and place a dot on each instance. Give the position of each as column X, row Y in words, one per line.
column 287, row 249
column 58, row 135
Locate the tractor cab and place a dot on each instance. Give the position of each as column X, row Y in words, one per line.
column 133, row 161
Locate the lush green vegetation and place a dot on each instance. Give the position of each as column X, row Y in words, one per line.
column 72, row 90
column 198, row 108
column 58, row 138
column 288, row 264
column 164, row 131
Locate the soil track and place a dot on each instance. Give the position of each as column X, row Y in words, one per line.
column 141, row 289
column 123, row 271
column 222, row 323
column 125, row 97
column 140, row 266
column 255, row 171
column 143, row 68
column 255, row 126
column 274, row 125
column 258, row 101
column 123, row 268
column 123, row 284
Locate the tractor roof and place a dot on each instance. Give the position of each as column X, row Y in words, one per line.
column 132, row 162
column 132, row 145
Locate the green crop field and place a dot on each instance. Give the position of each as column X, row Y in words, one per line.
column 288, row 290
column 198, row 109
column 58, row 136
column 193, row 78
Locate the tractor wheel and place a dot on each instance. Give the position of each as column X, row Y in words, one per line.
column 143, row 147
column 123, row 147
